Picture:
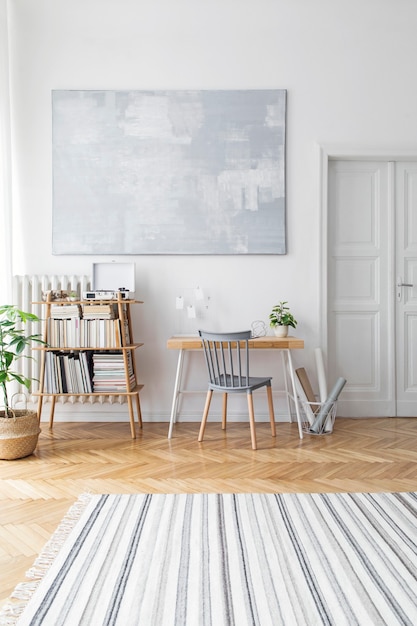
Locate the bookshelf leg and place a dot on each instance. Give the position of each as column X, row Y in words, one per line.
column 40, row 408
column 132, row 417
column 51, row 416
column 138, row 410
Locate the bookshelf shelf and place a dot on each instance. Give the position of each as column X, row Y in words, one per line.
column 132, row 346
column 89, row 351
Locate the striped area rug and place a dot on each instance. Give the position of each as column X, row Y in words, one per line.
column 231, row 559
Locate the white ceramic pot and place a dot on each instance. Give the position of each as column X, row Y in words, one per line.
column 281, row 331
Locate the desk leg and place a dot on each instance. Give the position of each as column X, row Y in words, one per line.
column 177, row 391
column 285, row 368
column 294, row 391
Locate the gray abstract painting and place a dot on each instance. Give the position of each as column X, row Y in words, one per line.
column 169, row 172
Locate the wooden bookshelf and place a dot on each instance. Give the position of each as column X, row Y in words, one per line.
column 67, row 363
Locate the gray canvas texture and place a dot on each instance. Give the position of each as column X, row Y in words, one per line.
column 169, row 172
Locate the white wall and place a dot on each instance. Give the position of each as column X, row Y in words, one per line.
column 348, row 66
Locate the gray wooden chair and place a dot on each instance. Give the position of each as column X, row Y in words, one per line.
column 227, row 360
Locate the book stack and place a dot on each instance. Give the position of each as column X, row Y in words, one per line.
column 109, row 372
column 68, row 372
column 100, row 311
column 65, row 332
column 100, row 333
column 84, row 333
column 65, row 311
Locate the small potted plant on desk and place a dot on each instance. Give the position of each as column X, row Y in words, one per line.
column 281, row 318
column 19, row 429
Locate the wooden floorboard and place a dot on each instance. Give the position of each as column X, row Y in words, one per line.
column 36, row 492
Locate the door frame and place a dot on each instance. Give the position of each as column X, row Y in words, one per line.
column 331, row 152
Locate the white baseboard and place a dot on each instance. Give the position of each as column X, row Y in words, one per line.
column 105, row 413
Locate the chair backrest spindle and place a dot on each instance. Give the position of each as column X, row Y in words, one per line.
column 227, row 359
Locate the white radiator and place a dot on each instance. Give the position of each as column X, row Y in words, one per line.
column 27, row 295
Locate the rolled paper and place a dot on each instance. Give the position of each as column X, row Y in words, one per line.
column 321, row 375
column 317, row 426
column 302, row 395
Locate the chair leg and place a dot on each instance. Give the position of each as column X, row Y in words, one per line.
column 205, row 415
column 271, row 410
column 224, row 414
column 252, row 420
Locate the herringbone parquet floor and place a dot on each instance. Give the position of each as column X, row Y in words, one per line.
column 36, row 492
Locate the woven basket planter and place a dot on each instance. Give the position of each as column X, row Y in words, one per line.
column 18, row 434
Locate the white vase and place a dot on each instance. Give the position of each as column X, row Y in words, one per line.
column 281, row 331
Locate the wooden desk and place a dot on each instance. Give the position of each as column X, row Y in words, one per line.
column 184, row 343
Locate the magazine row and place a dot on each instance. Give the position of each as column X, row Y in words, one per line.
column 87, row 372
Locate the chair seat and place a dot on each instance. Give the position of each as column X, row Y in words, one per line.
column 230, row 386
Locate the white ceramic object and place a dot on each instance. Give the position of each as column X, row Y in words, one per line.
column 281, row 331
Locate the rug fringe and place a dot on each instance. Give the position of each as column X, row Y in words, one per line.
column 55, row 543
column 10, row 612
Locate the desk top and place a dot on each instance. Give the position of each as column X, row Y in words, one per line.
column 193, row 342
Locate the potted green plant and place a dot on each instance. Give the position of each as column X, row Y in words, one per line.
column 19, row 429
column 281, row 318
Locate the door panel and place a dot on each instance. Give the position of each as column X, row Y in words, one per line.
column 406, row 296
column 360, row 307
column 357, row 334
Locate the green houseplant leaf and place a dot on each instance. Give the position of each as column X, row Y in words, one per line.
column 281, row 316
column 13, row 342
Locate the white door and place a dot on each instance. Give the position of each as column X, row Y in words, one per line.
column 360, row 342
column 372, row 286
column 406, row 288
